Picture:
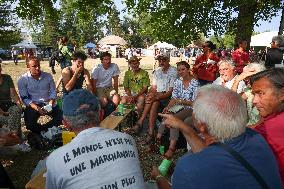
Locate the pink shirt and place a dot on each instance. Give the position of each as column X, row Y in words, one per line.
column 272, row 129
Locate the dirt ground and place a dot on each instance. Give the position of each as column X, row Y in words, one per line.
column 21, row 165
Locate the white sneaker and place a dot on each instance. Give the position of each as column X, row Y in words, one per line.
column 51, row 132
column 24, row 147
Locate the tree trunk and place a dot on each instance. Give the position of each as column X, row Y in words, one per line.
column 245, row 23
column 281, row 26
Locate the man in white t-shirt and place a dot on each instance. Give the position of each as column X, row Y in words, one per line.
column 159, row 95
column 105, row 80
column 228, row 76
column 96, row 157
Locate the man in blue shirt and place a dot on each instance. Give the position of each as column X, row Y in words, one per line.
column 220, row 119
column 37, row 91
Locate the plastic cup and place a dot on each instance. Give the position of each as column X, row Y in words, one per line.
column 164, row 167
column 121, row 108
column 59, row 103
column 67, row 136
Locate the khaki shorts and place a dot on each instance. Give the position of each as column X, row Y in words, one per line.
column 107, row 92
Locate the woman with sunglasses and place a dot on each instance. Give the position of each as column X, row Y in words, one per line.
column 205, row 67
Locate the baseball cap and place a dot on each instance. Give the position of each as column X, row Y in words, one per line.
column 79, row 101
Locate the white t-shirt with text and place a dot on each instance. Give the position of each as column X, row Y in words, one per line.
column 95, row 158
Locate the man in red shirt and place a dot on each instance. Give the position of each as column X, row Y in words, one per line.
column 240, row 56
column 268, row 90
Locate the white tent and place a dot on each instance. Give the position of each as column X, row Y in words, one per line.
column 25, row 44
column 160, row 44
column 263, row 39
column 112, row 40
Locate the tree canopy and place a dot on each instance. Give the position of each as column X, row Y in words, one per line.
column 178, row 22
column 9, row 33
column 185, row 19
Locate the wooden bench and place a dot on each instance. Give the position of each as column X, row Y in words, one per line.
column 112, row 121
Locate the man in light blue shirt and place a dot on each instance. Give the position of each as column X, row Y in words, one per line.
column 37, row 91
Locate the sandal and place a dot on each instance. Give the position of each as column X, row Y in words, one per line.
column 170, row 152
column 136, row 129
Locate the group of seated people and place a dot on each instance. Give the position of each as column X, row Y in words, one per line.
column 241, row 112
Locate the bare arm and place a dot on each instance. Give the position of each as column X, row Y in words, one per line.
column 68, row 81
column 88, row 80
column 196, row 142
column 15, row 97
column 143, row 91
column 127, row 91
column 165, row 95
column 94, row 85
column 115, row 83
column 161, row 181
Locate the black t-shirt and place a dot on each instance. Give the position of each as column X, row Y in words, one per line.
column 5, row 88
column 273, row 56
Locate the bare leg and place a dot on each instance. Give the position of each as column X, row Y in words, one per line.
column 58, row 83
column 153, row 117
column 103, row 101
column 140, row 105
column 116, row 99
column 172, row 148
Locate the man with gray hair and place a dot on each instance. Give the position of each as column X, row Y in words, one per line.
column 228, row 75
column 275, row 54
column 268, row 90
column 96, row 157
column 221, row 122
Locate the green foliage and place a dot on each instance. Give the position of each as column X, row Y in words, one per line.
column 181, row 21
column 9, row 33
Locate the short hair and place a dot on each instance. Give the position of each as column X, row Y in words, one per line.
column 228, row 62
column 105, row 54
column 64, row 40
column 221, row 110
column 278, row 40
column 79, row 54
column 211, row 45
column 257, row 66
column 240, row 41
column 33, row 58
column 276, row 77
column 82, row 120
column 183, row 63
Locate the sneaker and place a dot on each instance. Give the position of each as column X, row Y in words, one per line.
column 24, row 147
column 51, row 132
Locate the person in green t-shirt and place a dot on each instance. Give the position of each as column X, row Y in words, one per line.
column 136, row 83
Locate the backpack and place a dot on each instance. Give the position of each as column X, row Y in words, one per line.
column 57, row 55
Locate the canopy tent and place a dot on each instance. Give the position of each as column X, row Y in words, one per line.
column 160, row 44
column 262, row 39
column 89, row 45
column 25, row 44
column 112, row 40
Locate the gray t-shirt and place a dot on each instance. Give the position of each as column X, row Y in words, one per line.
column 103, row 76
column 95, row 158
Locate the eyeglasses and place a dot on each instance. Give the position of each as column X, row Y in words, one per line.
column 203, row 46
column 272, row 42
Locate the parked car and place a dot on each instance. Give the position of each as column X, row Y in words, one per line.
column 5, row 54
